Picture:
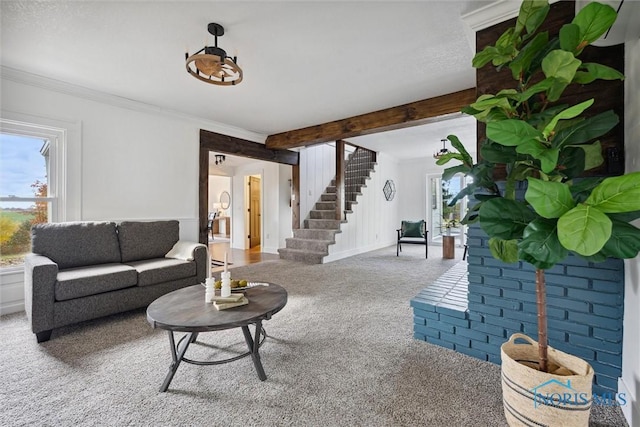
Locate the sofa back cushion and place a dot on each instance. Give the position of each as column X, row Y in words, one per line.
column 76, row 244
column 146, row 240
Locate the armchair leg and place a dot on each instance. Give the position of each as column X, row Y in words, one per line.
column 43, row 336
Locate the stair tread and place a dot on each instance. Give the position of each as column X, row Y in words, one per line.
column 336, row 230
column 310, row 240
column 303, row 251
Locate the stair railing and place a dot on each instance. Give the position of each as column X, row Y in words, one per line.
column 352, row 163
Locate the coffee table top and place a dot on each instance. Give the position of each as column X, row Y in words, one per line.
column 185, row 310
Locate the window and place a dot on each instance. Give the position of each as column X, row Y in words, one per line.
column 29, row 186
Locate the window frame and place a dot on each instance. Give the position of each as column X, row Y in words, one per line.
column 56, row 170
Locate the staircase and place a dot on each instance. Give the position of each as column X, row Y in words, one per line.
column 310, row 244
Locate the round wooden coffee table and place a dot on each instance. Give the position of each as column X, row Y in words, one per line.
column 185, row 310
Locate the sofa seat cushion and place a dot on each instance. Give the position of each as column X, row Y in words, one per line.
column 159, row 270
column 83, row 281
column 412, row 240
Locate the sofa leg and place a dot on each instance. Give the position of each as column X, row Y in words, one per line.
column 43, row 336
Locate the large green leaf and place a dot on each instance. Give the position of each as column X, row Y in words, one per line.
column 581, row 189
column 594, row 20
column 584, row 230
column 502, row 52
column 496, row 153
column 561, row 65
column 472, row 214
column 617, row 194
column 571, row 162
column 531, row 16
column 596, row 71
column 449, row 173
column 524, row 59
column 536, row 64
column 466, row 191
column 625, row 216
column 548, row 157
column 531, row 260
column 444, row 159
column 592, row 155
column 569, row 113
column 624, row 242
column 485, row 56
column 455, row 143
column 569, row 37
column 512, row 132
column 540, row 242
column 560, row 68
column 586, row 130
column 549, row 199
column 541, row 118
column 522, row 171
column 504, row 218
column 487, row 102
column 541, row 86
column 504, row 250
column 596, row 258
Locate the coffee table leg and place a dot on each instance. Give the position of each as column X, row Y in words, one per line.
column 254, row 346
column 177, row 358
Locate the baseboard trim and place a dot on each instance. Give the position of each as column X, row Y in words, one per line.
column 631, row 410
column 13, row 307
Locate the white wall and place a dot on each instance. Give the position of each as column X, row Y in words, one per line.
column 134, row 162
column 275, row 205
column 217, row 184
column 630, row 381
column 373, row 222
column 317, row 169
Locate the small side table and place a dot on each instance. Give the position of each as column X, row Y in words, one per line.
column 448, row 247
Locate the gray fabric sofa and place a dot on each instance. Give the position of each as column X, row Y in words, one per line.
column 84, row 270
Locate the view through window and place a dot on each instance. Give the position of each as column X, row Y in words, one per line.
column 24, row 194
column 445, row 219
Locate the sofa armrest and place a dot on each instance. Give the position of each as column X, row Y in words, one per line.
column 40, row 275
column 200, row 256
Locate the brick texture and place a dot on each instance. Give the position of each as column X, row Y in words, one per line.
column 585, row 303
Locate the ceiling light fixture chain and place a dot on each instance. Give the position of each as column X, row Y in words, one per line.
column 211, row 63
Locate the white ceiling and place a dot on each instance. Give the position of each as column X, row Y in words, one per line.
column 304, row 62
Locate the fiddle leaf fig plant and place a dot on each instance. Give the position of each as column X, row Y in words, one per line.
column 549, row 145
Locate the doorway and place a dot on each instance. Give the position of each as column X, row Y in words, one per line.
column 444, row 220
column 254, row 210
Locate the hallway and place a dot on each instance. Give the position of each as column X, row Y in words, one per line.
column 236, row 257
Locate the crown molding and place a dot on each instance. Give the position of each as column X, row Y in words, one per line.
column 493, row 14
column 29, row 79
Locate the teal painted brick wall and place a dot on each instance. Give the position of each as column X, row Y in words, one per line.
column 585, row 303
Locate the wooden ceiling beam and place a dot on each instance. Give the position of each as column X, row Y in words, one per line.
column 402, row 116
column 226, row 144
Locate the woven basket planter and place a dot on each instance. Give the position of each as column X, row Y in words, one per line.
column 534, row 398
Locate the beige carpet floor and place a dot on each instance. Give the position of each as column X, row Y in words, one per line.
column 341, row 353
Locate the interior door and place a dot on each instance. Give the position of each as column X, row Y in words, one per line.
column 254, row 211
